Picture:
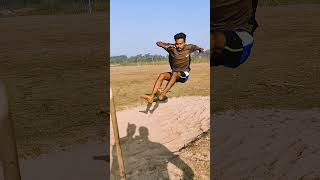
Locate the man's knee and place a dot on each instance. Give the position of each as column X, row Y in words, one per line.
column 175, row 74
column 162, row 76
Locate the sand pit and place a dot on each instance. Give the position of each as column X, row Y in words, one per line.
column 268, row 144
column 150, row 138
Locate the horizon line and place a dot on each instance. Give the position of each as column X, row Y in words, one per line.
column 146, row 54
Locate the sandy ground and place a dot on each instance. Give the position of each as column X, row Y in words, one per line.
column 152, row 137
column 268, row 144
column 80, row 162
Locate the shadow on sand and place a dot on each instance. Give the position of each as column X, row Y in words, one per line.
column 145, row 159
column 149, row 105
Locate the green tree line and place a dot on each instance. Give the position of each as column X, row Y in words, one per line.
column 154, row 59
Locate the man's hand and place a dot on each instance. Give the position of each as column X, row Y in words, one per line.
column 160, row 44
column 200, row 50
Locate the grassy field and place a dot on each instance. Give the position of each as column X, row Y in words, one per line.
column 161, row 62
column 130, row 82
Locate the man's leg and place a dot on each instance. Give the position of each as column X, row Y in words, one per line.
column 163, row 76
column 174, row 77
column 157, row 85
column 218, row 42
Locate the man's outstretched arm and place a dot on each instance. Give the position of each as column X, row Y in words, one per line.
column 165, row 45
column 194, row 48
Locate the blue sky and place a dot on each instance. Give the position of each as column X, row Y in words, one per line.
column 136, row 25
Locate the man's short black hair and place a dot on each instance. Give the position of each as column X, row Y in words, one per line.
column 180, row 36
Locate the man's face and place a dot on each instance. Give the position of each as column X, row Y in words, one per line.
column 180, row 44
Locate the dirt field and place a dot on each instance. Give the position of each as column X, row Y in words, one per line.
column 266, row 112
column 55, row 69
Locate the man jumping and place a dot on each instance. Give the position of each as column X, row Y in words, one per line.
column 179, row 60
column 232, row 35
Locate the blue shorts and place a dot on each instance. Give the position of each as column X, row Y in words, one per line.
column 246, row 53
column 236, row 52
column 183, row 78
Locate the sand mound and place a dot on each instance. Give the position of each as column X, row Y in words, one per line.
column 151, row 135
column 268, row 144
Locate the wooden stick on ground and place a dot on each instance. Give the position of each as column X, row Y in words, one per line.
column 116, row 137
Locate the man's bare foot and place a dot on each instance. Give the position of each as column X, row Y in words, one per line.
column 148, row 98
column 162, row 95
column 159, row 91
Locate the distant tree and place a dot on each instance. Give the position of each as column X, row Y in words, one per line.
column 149, row 58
